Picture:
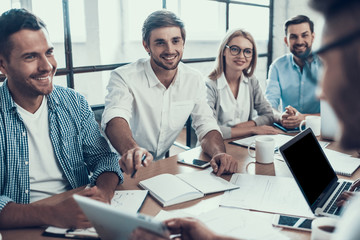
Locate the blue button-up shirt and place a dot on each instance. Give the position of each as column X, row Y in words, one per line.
column 288, row 85
column 78, row 144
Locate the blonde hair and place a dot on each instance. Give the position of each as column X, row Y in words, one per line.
column 220, row 59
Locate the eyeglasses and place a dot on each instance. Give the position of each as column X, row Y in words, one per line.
column 235, row 50
column 338, row 43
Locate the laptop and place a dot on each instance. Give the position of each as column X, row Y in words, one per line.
column 329, row 122
column 114, row 224
column 313, row 173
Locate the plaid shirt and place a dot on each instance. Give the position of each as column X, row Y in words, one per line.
column 78, row 144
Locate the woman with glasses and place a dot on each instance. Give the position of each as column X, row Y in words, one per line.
column 234, row 92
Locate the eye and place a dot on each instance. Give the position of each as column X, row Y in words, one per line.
column 50, row 52
column 234, row 49
column 248, row 51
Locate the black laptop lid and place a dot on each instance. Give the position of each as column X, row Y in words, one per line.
column 309, row 166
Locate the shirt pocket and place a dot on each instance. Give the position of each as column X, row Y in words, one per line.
column 179, row 113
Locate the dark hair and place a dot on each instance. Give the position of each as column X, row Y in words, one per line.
column 159, row 19
column 332, row 7
column 297, row 20
column 13, row 21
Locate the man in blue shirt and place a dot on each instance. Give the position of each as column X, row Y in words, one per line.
column 49, row 139
column 290, row 85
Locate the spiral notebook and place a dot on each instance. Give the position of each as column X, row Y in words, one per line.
column 343, row 164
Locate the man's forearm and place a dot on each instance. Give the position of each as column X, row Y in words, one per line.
column 107, row 182
column 213, row 143
column 24, row 215
column 120, row 135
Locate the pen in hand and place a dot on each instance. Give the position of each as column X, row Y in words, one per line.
column 142, row 161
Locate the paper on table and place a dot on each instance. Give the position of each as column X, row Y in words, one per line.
column 206, row 181
column 280, row 139
column 241, row 224
column 267, row 194
column 129, row 200
column 343, row 164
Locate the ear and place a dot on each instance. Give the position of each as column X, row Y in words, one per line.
column 313, row 36
column 286, row 41
column 146, row 47
column 2, row 64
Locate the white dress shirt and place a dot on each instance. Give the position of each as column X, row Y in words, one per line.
column 157, row 115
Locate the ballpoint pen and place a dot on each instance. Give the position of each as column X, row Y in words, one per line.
column 142, row 160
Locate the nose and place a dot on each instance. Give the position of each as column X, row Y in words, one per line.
column 44, row 64
column 170, row 47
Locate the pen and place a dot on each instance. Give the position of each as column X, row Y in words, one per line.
column 142, row 160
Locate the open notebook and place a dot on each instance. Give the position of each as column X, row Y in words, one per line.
column 171, row 189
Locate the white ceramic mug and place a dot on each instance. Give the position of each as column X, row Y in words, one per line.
column 264, row 149
column 323, row 228
column 313, row 122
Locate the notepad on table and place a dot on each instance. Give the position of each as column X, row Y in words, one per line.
column 171, row 189
column 343, row 164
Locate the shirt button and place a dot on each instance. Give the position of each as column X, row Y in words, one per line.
column 26, row 162
column 23, row 134
column 26, row 191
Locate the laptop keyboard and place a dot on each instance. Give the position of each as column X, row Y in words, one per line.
column 332, row 208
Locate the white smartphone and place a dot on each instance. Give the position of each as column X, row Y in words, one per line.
column 298, row 223
column 195, row 162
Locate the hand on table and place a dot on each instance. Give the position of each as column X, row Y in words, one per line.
column 291, row 118
column 223, row 163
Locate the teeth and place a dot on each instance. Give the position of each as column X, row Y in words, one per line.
column 44, row 78
column 170, row 58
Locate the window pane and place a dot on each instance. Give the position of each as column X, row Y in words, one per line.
column 60, row 80
column 201, row 41
column 54, row 22
column 261, row 2
column 92, row 86
column 113, row 31
column 5, row 5
column 253, row 19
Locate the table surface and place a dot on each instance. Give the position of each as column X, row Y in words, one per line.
column 170, row 165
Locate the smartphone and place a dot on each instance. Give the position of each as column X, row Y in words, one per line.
column 298, row 223
column 287, row 130
column 195, row 162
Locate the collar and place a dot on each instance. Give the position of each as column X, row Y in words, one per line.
column 153, row 79
column 293, row 63
column 7, row 103
column 222, row 83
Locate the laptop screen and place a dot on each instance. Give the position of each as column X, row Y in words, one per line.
column 309, row 165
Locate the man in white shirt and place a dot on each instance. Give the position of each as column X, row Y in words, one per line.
column 150, row 100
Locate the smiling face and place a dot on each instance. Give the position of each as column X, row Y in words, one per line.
column 165, row 47
column 299, row 39
column 31, row 65
column 237, row 63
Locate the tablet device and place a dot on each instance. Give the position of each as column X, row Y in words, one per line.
column 113, row 224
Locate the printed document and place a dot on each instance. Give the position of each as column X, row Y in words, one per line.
column 267, row 194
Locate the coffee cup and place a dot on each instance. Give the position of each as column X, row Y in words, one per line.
column 264, row 149
column 313, row 122
column 323, row 228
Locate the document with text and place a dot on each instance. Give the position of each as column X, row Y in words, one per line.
column 267, row 194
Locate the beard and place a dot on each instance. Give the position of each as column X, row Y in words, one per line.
column 302, row 55
column 160, row 64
